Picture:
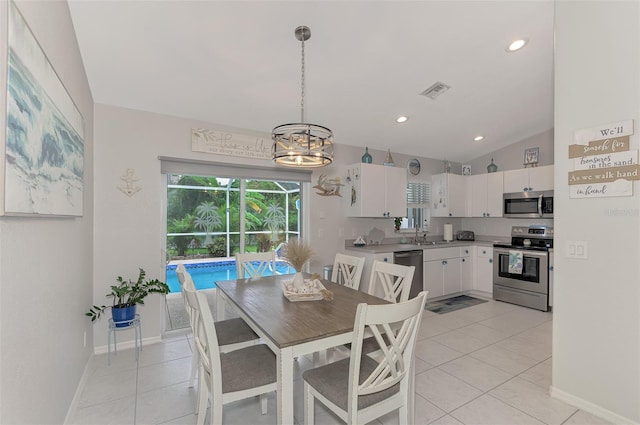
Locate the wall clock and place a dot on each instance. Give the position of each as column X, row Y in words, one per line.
column 414, row 167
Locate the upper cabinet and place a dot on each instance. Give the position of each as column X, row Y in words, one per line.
column 528, row 179
column 375, row 191
column 448, row 195
column 484, row 195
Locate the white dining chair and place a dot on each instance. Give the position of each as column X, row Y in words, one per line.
column 347, row 270
column 232, row 333
column 228, row 377
column 360, row 388
column 255, row 264
column 393, row 279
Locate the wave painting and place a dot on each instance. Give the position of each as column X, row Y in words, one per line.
column 44, row 141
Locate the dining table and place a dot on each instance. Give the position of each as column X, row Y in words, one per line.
column 291, row 328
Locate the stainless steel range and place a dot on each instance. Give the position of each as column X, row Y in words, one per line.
column 521, row 270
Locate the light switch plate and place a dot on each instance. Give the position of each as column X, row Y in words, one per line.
column 577, row 250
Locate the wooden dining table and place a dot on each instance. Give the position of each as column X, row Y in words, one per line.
column 291, row 329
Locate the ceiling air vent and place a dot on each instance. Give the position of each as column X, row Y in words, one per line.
column 435, row 90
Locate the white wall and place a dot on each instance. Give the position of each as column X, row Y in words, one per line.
column 129, row 231
column 45, row 263
column 512, row 156
column 596, row 334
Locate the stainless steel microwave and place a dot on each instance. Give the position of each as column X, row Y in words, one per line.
column 528, row 204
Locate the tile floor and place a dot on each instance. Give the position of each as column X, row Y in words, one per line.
column 485, row 364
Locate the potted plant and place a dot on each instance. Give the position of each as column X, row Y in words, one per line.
column 126, row 295
column 397, row 222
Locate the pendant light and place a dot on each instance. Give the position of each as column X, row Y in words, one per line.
column 302, row 144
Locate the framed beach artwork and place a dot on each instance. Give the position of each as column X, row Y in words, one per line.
column 44, row 139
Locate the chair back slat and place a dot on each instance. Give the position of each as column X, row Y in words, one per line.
column 255, row 264
column 394, row 279
column 395, row 328
column 347, row 270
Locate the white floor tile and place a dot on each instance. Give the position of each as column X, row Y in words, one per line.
column 504, row 359
column 104, row 388
column 483, row 333
column 459, row 341
column 164, row 374
column 540, row 375
column 446, row 420
column 165, row 404
column 450, row 321
column 536, row 350
column 516, row 367
column 533, row 400
column 583, row 418
column 435, row 353
column 487, row 410
column 479, row 374
column 162, row 352
column 445, row 391
column 115, row 412
column 425, row 413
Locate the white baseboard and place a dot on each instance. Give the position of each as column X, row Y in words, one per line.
column 125, row 345
column 589, row 407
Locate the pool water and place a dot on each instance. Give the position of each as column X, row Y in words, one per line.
column 205, row 275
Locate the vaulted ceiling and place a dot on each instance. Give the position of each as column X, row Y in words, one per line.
column 237, row 63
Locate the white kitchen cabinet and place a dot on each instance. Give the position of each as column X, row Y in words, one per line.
column 528, row 179
column 448, row 195
column 484, row 195
column 483, row 265
column 445, row 271
column 375, row 191
column 466, row 269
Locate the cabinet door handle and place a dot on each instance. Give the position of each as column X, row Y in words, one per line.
column 385, row 259
column 463, row 260
column 484, row 252
column 491, row 260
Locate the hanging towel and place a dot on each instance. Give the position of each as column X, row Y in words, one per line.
column 515, row 262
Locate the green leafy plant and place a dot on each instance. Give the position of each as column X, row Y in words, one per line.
column 127, row 293
column 397, row 222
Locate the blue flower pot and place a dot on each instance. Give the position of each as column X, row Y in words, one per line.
column 122, row 316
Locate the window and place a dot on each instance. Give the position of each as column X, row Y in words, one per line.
column 418, row 212
column 210, row 217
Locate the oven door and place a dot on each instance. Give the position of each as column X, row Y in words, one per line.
column 535, row 270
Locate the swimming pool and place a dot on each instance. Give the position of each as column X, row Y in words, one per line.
column 206, row 274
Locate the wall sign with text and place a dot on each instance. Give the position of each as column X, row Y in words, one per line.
column 227, row 143
column 603, row 164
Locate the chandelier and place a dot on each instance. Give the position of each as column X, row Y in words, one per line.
column 302, row 144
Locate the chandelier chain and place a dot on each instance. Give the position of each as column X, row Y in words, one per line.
column 302, row 86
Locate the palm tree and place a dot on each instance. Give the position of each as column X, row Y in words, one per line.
column 274, row 219
column 207, row 219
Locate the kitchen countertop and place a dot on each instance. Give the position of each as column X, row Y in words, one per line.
column 396, row 247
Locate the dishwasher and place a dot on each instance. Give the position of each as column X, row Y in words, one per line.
column 411, row 258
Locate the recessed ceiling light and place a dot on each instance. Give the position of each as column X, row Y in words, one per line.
column 517, row 45
column 478, row 138
column 402, row 118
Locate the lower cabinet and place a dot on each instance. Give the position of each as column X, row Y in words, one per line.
column 446, row 271
column 483, row 265
column 466, row 269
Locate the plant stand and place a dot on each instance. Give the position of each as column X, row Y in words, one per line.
column 114, row 327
